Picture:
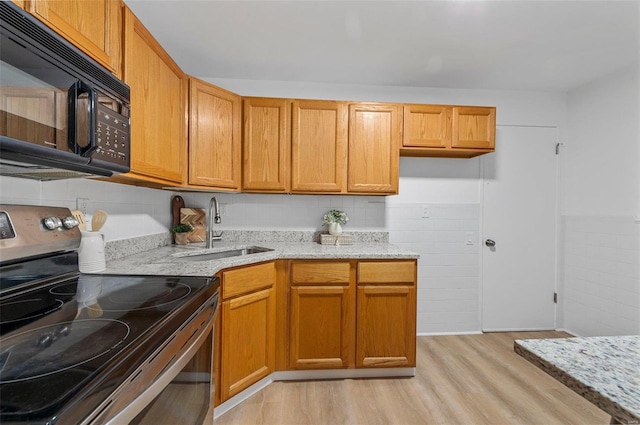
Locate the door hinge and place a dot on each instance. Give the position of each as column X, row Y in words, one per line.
column 558, row 146
column 555, row 298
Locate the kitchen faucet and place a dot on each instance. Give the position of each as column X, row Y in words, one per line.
column 214, row 218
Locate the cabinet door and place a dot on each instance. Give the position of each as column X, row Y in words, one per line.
column 386, row 326
column 386, row 314
column 474, row 127
column 266, row 141
column 158, row 104
column 248, row 341
column 214, row 136
column 427, row 126
column 374, row 135
column 322, row 327
column 322, row 315
column 94, row 26
column 318, row 146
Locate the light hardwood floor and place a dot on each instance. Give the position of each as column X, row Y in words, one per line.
column 470, row 379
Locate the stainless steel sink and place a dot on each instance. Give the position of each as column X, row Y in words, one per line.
column 226, row 254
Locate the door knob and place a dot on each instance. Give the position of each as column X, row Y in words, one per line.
column 490, row 243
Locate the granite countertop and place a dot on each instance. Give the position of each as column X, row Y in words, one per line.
column 170, row 261
column 604, row 370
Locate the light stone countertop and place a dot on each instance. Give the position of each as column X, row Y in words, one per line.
column 604, row 370
column 169, row 260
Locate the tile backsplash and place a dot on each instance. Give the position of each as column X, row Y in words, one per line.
column 449, row 266
column 601, row 275
column 133, row 211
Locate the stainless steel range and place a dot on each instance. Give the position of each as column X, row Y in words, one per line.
column 95, row 349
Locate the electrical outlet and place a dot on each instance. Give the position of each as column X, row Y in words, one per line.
column 425, row 212
column 82, row 204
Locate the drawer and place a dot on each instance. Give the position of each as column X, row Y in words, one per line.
column 314, row 273
column 247, row 279
column 387, row 272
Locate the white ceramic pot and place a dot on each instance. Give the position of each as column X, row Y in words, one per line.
column 91, row 257
column 335, row 229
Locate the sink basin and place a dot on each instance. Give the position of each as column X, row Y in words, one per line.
column 226, row 254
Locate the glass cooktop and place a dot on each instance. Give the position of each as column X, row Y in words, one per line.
column 66, row 344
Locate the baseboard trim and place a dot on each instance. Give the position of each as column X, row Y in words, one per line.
column 449, row 333
column 241, row 396
column 304, row 375
column 569, row 332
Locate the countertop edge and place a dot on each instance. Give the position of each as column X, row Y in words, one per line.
column 586, row 391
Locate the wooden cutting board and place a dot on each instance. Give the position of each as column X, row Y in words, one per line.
column 177, row 203
column 196, row 218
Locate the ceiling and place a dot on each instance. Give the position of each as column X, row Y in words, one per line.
column 513, row 45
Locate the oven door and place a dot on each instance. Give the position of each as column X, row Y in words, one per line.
column 175, row 385
column 187, row 397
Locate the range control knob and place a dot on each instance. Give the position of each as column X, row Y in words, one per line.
column 52, row 223
column 70, row 222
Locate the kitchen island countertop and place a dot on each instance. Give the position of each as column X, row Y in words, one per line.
column 170, row 261
column 604, row 370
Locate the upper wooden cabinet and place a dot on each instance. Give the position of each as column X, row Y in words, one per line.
column 94, row 26
column 334, row 147
column 427, row 126
column 214, row 136
column 266, row 145
column 374, row 136
column 448, row 131
column 474, row 127
column 319, row 146
column 158, row 105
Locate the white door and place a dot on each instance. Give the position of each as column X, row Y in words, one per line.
column 520, row 215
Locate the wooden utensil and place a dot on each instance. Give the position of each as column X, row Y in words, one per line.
column 98, row 220
column 82, row 220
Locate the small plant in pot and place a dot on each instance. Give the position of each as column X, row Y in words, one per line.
column 334, row 220
column 181, row 233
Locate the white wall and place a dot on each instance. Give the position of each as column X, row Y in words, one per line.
column 601, row 220
column 449, row 270
column 133, row 211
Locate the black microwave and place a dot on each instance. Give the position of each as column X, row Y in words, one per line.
column 61, row 113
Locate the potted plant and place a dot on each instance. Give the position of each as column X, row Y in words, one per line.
column 181, row 233
column 334, row 220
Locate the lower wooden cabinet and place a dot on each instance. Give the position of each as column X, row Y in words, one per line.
column 331, row 314
column 386, row 314
column 246, row 329
column 322, row 316
column 350, row 314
